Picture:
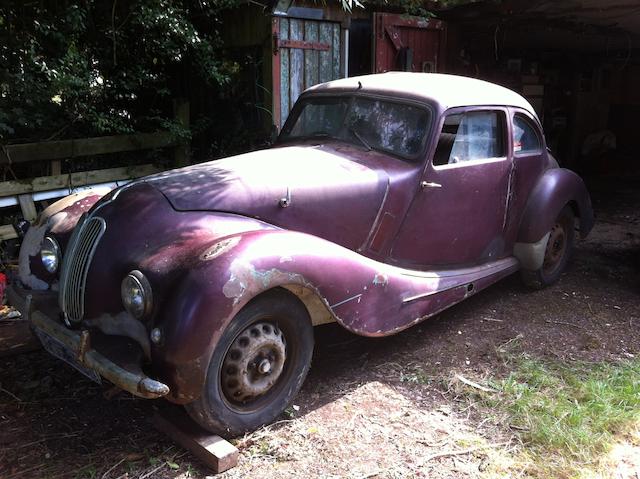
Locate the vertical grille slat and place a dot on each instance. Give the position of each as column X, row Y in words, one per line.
column 76, row 263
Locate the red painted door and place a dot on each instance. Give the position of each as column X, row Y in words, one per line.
column 406, row 43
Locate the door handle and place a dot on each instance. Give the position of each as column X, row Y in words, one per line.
column 429, row 184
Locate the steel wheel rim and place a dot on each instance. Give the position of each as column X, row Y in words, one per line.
column 555, row 250
column 254, row 366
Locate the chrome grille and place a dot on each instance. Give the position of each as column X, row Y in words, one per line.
column 76, row 262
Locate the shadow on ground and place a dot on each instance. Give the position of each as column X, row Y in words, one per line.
column 368, row 404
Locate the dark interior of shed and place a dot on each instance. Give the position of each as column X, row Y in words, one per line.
column 579, row 67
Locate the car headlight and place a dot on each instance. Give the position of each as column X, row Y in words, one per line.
column 136, row 294
column 50, row 254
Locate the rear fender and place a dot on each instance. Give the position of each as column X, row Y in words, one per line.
column 367, row 297
column 555, row 189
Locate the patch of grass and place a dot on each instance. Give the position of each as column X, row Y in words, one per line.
column 569, row 414
column 415, row 376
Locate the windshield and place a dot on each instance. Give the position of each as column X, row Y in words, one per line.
column 397, row 128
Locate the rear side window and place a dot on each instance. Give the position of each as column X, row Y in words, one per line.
column 476, row 135
column 525, row 137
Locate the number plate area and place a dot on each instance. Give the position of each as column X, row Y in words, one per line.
column 60, row 351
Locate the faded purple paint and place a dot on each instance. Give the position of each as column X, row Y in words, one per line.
column 375, row 250
column 318, row 181
column 556, row 188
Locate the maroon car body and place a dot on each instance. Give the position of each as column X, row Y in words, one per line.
column 446, row 187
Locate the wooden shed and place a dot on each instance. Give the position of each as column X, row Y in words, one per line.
column 296, row 44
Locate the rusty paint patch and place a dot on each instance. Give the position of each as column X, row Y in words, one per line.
column 219, row 248
column 245, row 278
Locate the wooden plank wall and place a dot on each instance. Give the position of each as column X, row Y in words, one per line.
column 303, row 68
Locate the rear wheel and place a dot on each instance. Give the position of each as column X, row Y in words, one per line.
column 257, row 367
column 557, row 253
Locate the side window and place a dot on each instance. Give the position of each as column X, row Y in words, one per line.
column 476, row 135
column 525, row 138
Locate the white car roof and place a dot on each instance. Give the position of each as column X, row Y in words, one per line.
column 450, row 91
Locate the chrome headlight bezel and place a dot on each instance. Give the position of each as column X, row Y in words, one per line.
column 136, row 294
column 50, row 254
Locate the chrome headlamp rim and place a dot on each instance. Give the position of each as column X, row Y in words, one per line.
column 136, row 280
column 50, row 254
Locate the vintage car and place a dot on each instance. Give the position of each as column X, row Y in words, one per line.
column 386, row 199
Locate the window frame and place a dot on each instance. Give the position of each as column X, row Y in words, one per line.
column 536, row 129
column 501, row 110
column 416, row 159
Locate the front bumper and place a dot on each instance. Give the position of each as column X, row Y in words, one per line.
column 77, row 344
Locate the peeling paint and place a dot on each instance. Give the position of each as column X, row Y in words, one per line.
column 380, row 279
column 219, row 248
column 30, row 247
column 54, row 218
column 244, row 277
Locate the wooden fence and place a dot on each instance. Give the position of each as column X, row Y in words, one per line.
column 21, row 192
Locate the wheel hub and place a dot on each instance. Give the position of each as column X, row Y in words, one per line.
column 253, row 363
column 555, row 247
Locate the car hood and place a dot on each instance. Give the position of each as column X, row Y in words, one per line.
column 313, row 189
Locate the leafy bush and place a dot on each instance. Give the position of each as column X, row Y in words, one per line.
column 70, row 69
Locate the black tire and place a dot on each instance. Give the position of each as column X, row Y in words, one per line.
column 558, row 252
column 268, row 326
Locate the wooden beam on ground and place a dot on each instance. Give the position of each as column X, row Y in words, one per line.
column 47, row 183
column 215, row 452
column 58, row 150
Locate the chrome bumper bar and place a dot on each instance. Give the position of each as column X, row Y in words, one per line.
column 78, row 344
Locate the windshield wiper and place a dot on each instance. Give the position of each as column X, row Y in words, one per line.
column 355, row 133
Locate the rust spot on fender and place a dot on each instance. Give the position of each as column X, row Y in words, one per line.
column 244, row 279
column 219, row 248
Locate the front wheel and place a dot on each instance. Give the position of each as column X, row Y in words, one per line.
column 557, row 253
column 257, row 367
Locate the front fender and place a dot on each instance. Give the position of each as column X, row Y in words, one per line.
column 555, row 189
column 59, row 219
column 367, row 297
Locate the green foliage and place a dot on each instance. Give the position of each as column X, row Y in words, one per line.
column 83, row 68
column 570, row 414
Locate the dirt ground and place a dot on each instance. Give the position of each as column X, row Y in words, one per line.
column 369, row 408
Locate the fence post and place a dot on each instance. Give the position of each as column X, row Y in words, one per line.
column 181, row 111
column 28, row 207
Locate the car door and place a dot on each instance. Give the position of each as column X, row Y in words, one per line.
column 529, row 162
column 458, row 215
